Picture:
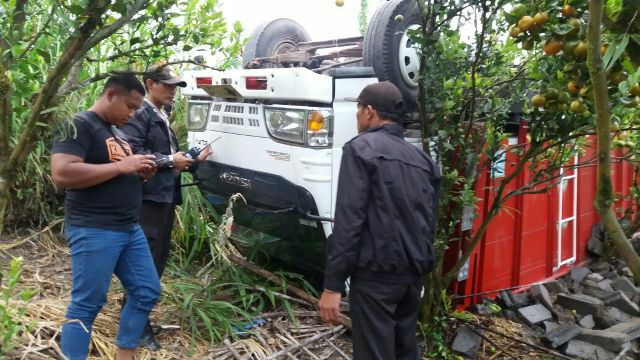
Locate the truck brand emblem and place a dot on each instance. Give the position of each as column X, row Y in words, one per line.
column 235, row 179
column 279, row 155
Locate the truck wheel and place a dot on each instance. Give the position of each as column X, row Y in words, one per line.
column 272, row 38
column 388, row 49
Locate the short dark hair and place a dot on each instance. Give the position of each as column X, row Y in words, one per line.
column 124, row 80
column 396, row 117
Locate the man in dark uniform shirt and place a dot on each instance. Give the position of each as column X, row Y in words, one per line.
column 150, row 132
column 385, row 221
column 92, row 160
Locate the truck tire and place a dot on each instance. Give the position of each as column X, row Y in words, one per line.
column 272, row 38
column 388, row 49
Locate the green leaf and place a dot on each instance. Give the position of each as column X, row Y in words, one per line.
column 562, row 29
column 237, row 27
column 76, row 9
column 51, row 109
column 616, row 52
column 613, row 9
column 205, row 319
column 120, row 7
column 628, row 66
column 45, row 55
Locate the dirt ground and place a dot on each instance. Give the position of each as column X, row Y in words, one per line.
column 47, row 270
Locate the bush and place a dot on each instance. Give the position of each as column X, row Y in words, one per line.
column 12, row 309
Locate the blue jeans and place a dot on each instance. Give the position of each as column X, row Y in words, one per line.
column 97, row 254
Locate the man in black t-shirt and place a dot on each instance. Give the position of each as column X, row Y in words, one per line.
column 94, row 163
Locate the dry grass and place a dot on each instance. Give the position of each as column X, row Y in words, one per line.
column 46, row 270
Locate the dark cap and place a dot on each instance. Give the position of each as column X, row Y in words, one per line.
column 382, row 96
column 165, row 75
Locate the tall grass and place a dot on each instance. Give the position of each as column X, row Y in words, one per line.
column 34, row 201
column 214, row 296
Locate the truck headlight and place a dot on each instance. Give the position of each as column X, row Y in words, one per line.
column 286, row 124
column 318, row 126
column 197, row 112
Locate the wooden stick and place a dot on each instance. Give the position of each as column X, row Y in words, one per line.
column 283, row 296
column 538, row 347
column 296, row 313
column 344, row 320
column 504, row 349
column 622, row 353
column 306, row 342
column 236, row 354
column 487, row 339
column 292, row 342
column 337, row 349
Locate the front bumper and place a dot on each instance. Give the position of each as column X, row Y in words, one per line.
column 273, row 225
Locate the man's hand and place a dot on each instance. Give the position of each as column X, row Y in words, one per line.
column 330, row 306
column 147, row 174
column 181, row 162
column 136, row 163
column 205, row 153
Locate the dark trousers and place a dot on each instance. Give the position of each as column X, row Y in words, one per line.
column 156, row 220
column 384, row 320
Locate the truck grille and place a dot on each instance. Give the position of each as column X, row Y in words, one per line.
column 236, row 115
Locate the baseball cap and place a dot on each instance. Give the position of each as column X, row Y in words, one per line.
column 382, row 96
column 165, row 75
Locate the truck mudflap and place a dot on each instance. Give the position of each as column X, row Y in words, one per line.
column 273, row 225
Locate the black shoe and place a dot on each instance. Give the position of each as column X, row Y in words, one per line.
column 148, row 339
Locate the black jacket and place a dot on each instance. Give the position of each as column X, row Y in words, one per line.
column 147, row 134
column 386, row 211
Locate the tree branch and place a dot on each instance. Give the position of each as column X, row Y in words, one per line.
column 50, row 87
column 18, row 18
column 604, row 195
column 37, row 36
column 102, row 76
column 107, row 31
column 121, row 54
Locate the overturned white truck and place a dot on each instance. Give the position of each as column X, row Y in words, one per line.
column 282, row 122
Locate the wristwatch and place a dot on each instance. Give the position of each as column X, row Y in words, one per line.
column 170, row 160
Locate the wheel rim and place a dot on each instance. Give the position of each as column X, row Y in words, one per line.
column 408, row 59
column 285, row 45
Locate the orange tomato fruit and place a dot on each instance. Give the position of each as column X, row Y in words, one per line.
column 525, row 23
column 541, row 18
column 538, row 100
column 568, row 11
column 577, row 106
column 581, row 50
column 553, row 46
column 573, row 87
column 514, row 32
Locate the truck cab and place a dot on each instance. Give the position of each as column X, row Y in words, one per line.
column 279, row 126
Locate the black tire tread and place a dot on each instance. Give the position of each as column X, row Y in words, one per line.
column 380, row 46
column 255, row 46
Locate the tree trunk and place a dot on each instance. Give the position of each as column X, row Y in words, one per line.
column 604, row 197
column 431, row 304
column 46, row 98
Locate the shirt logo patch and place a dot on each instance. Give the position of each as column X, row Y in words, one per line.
column 118, row 149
